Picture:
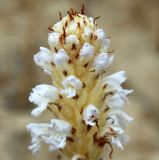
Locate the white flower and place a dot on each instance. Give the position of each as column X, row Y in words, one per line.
column 72, row 28
column 115, row 80
column 71, row 86
column 53, row 39
column 42, row 95
column 43, row 59
column 100, row 34
column 120, row 140
column 36, row 145
column 53, row 133
column 116, row 135
column 58, row 27
column 91, row 19
column 60, row 58
column 87, row 51
column 101, row 62
column 72, row 39
column 87, row 33
column 118, row 118
column 83, row 94
column 90, row 115
column 118, row 98
column 105, row 45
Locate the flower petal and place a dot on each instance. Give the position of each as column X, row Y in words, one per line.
column 53, row 133
column 53, row 39
column 86, row 51
column 100, row 34
column 71, row 86
column 42, row 95
column 119, row 118
column 72, row 39
column 43, row 59
column 60, row 58
column 102, row 61
column 90, row 115
column 115, row 79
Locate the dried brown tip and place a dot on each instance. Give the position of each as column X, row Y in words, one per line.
column 60, row 15
column 66, row 24
column 58, row 106
column 106, row 109
column 111, row 152
column 91, row 36
column 73, row 12
column 73, row 130
column 76, row 97
column 70, row 139
column 64, row 32
column 70, row 15
column 55, row 49
column 50, row 29
column 111, row 51
column 85, row 65
column 65, row 73
column 78, row 25
column 73, row 46
column 82, row 9
column 96, row 19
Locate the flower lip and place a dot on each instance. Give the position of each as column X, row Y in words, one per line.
column 53, row 133
column 42, row 95
column 60, row 58
column 90, row 115
column 44, row 58
column 53, row 39
column 72, row 86
column 102, row 61
column 87, row 51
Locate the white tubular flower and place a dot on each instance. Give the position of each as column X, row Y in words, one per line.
column 119, row 118
column 113, row 86
column 42, row 95
column 86, row 52
column 116, row 101
column 72, row 28
column 115, row 80
column 58, row 27
column 43, row 59
column 101, row 62
column 119, row 138
column 90, row 115
column 87, row 33
column 100, row 34
column 60, row 58
column 71, row 86
column 53, row 133
column 53, row 39
column 72, row 39
column 105, row 45
column 85, row 103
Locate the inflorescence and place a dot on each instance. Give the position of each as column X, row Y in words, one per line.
column 86, row 104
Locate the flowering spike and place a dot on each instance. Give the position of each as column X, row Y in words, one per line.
column 86, row 104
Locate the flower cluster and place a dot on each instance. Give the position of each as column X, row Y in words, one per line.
column 86, row 103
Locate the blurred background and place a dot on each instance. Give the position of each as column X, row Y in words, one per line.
column 134, row 30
